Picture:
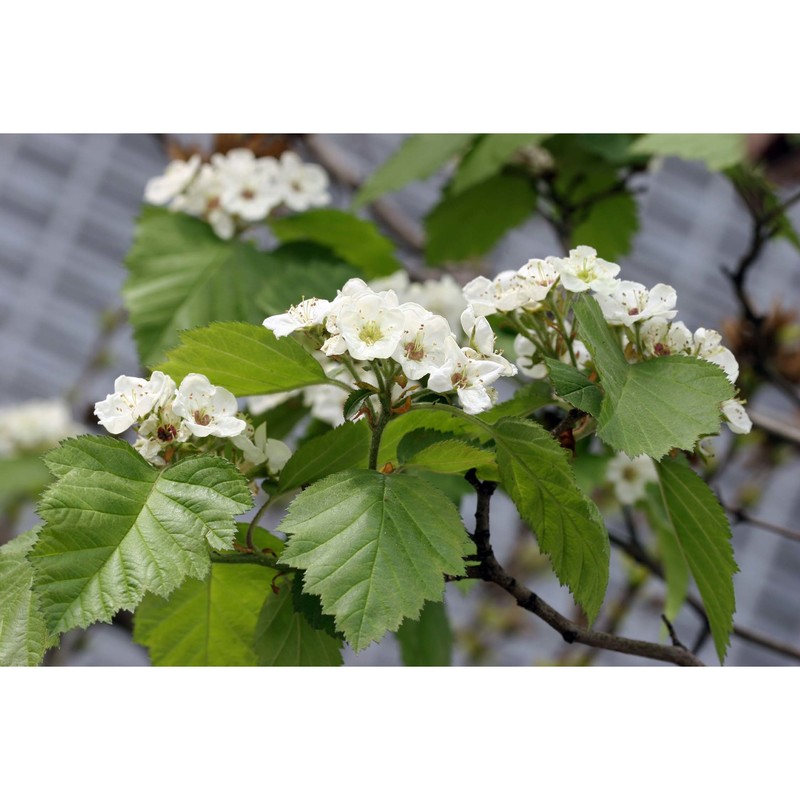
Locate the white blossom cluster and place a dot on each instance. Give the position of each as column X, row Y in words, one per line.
column 630, row 476
column 362, row 325
column 167, row 416
column 643, row 316
column 35, row 426
column 236, row 189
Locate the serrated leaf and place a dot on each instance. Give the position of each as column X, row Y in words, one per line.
column 574, row 387
column 183, row 275
column 354, row 402
column 355, row 240
column 718, row 150
column 469, row 224
column 451, row 457
column 210, row 622
column 245, row 359
column 284, row 637
column 337, row 450
column 23, row 633
column 310, row 607
column 417, row 158
column 374, row 547
column 609, row 226
column 117, row 528
column 488, row 156
column 656, row 405
column 704, row 536
column 427, row 641
column 534, row 470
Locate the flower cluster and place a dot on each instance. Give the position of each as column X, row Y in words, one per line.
column 236, row 189
column 167, row 417
column 34, row 427
column 630, row 476
column 537, row 297
column 399, row 345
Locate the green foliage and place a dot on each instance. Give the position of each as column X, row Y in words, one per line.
column 22, row 477
column 469, row 224
column 284, row 637
column 183, row 275
column 450, row 456
column 353, row 239
column 374, row 547
column 718, row 150
column 418, row 157
column 427, row 641
column 337, row 450
column 117, row 528
column 610, row 225
column 245, row 359
column 655, row 405
column 535, row 471
column 574, row 387
column 704, row 536
column 23, row 633
column 488, row 156
column 611, row 147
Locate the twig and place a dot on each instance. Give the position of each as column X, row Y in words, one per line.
column 740, row 515
column 672, row 635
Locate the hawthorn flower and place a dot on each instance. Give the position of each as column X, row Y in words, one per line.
column 35, row 426
column 207, row 410
column 583, row 270
column 422, row 341
column 302, row 186
column 662, row 338
column 133, row 399
column 736, row 417
column 480, row 335
column 630, row 476
column 203, row 199
column 370, row 326
column 258, row 449
column 708, row 346
column 304, row 315
column 630, row 302
column 539, row 277
column 178, row 175
column 250, row 185
column 508, row 291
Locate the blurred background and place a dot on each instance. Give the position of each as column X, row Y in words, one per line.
column 68, row 205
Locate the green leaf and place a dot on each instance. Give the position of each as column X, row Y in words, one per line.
column 284, row 638
column 611, row 147
column 245, row 359
column 117, row 528
column 374, row 548
column 418, row 158
column 337, row 450
column 535, row 471
column 451, row 457
column 355, row 240
column 704, row 536
column 655, row 405
column 718, row 150
column 355, row 402
column 310, row 607
column 427, row 641
column 183, row 275
column 23, row 633
column 469, row 224
column 609, row 226
column 574, row 387
column 527, row 399
column 22, row 477
column 488, row 156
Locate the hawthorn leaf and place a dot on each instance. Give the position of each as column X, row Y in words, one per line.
column 374, row 547
column 718, row 150
column 535, row 472
column 610, row 225
column 653, row 406
column 427, row 641
column 488, row 156
column 451, row 457
column 703, row 533
column 574, row 387
column 417, row 158
column 115, row 527
column 245, row 359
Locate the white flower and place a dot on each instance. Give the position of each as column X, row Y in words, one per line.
column 133, row 399
column 630, row 476
column 250, row 185
column 422, row 341
column 304, row 315
column 258, row 449
column 508, row 291
column 583, row 270
column 480, row 335
column 442, row 296
column 203, row 198
column 630, row 302
column 708, row 346
column 35, row 426
column 302, row 186
column 178, row 175
column 737, row 419
column 525, row 351
column 539, row 276
column 662, row 338
column 207, row 410
column 149, row 450
column 371, row 326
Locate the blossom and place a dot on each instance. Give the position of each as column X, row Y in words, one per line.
column 35, row 426
column 203, row 198
column 479, row 332
column 304, row 315
column 370, row 326
column 630, row 476
column 207, row 410
column 258, row 449
column 528, row 365
column 302, row 186
column 708, row 346
column 422, row 341
column 736, row 417
column 178, row 175
column 250, row 185
column 583, row 270
column 630, row 302
column 133, row 399
column 662, row 338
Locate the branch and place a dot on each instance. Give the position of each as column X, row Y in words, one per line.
column 491, row 571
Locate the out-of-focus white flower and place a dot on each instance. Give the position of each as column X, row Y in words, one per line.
column 208, row 410
column 583, row 270
column 302, row 186
column 536, row 158
column 442, row 296
column 178, row 175
column 421, row 347
column 304, row 315
column 203, row 198
column 35, row 426
column 630, row 476
column 630, row 302
column 371, row 326
column 250, row 185
column 258, row 449
column 133, row 399
column 258, row 404
column 736, row 417
column 708, row 346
